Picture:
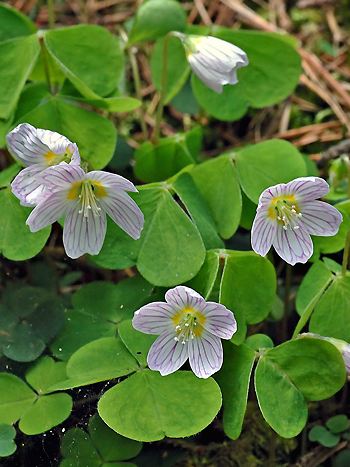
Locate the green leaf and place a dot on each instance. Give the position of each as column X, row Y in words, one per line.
column 313, row 285
column 110, row 445
column 177, row 67
column 94, row 134
column 331, row 314
column 217, row 181
column 46, row 373
column 242, row 269
column 17, row 58
column 338, row 423
column 248, row 213
column 323, row 436
column 172, row 250
column 13, row 23
column 156, row 18
column 119, row 250
column 45, row 413
column 8, row 174
column 198, row 209
column 99, row 308
column 148, row 406
column 259, row 341
column 296, row 371
column 89, row 55
column 15, row 398
column 204, row 281
column 136, row 342
column 30, row 317
column 233, row 380
column 261, row 84
column 157, row 162
column 114, row 104
column 7, row 435
column 99, row 360
column 266, row 164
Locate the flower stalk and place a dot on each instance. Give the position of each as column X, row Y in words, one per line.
column 162, row 92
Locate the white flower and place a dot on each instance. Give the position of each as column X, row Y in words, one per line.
column 83, row 199
column 288, row 214
column 37, row 150
column 189, row 327
column 213, row 60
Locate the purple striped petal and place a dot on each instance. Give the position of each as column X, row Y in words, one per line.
column 263, row 232
column 25, row 145
column 83, row 234
column 113, row 181
column 47, row 211
column 124, row 212
column 59, row 144
column 320, row 218
column 219, row 320
column 167, row 355
column 60, row 177
column 294, row 246
column 205, row 354
column 181, row 297
column 308, row 188
column 26, row 186
column 154, row 318
column 270, row 193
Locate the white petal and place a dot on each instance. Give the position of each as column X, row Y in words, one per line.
column 263, row 231
column 219, row 320
column 154, row 318
column 124, row 212
column 209, row 77
column 224, row 55
column 60, row 177
column 205, row 354
column 308, row 188
column 59, row 144
column 26, row 146
column 294, row 246
column 319, row 218
column 167, row 355
column 181, row 297
column 83, row 234
column 27, row 187
column 47, row 211
column 110, row 180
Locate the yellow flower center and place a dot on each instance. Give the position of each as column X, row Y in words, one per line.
column 188, row 323
column 285, row 210
column 87, row 192
column 52, row 158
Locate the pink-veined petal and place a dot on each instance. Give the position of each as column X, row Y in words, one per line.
column 154, row 318
column 124, row 212
column 182, row 296
column 308, row 188
column 27, row 187
column 25, row 145
column 167, row 355
column 320, row 218
column 205, row 355
column 60, row 177
column 47, row 211
column 263, row 232
column 294, row 246
column 83, row 234
column 219, row 320
column 113, row 181
column 209, row 77
column 271, row 192
column 59, row 144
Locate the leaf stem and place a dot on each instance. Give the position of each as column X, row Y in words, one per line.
column 137, row 84
column 162, row 91
column 346, row 255
column 51, row 11
column 46, row 64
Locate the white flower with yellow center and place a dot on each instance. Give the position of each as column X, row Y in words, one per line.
column 84, row 199
column 213, row 60
column 189, row 328
column 288, row 213
column 37, row 150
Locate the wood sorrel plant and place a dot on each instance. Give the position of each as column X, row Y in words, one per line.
column 183, row 234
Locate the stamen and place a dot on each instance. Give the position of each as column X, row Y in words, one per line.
column 188, row 326
column 287, row 214
column 88, row 200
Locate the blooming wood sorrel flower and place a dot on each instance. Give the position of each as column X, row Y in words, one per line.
column 37, row 149
column 84, row 199
column 288, row 213
column 213, row 60
column 189, row 327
